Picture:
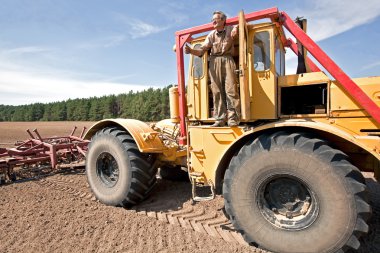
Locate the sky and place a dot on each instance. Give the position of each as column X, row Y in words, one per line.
column 53, row 50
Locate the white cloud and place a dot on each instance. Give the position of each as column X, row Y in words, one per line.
column 138, row 28
column 24, row 50
column 118, row 78
column 371, row 65
column 328, row 18
column 175, row 12
column 108, row 42
column 23, row 81
column 17, row 88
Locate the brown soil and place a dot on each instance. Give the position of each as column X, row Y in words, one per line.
column 56, row 212
column 10, row 132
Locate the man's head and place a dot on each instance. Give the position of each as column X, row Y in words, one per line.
column 218, row 20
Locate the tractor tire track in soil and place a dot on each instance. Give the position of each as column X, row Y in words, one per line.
column 58, row 212
column 55, row 213
column 198, row 218
column 72, row 185
column 206, row 218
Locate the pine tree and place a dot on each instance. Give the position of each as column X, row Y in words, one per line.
column 147, row 105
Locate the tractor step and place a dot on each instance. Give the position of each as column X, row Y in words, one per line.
column 201, row 194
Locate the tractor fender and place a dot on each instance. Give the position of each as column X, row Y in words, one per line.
column 146, row 138
column 323, row 127
column 296, row 125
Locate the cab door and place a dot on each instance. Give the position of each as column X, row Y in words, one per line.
column 262, row 72
column 245, row 98
column 198, row 90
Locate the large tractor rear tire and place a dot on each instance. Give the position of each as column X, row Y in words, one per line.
column 287, row 192
column 117, row 172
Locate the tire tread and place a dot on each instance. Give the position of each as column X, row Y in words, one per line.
column 142, row 167
column 307, row 143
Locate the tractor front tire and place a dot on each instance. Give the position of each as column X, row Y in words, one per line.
column 288, row 192
column 117, row 172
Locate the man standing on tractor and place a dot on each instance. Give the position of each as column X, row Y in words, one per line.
column 221, row 70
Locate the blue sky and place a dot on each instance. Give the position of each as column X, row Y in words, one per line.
column 55, row 50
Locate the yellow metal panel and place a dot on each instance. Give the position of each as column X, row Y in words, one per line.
column 146, row 138
column 342, row 103
column 207, row 146
column 263, row 83
column 303, row 79
column 264, row 96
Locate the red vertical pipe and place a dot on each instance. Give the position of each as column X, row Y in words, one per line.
column 351, row 87
column 53, row 155
column 179, row 42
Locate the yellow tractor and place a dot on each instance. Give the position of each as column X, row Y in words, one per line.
column 290, row 172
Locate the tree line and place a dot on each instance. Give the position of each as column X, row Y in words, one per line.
column 148, row 105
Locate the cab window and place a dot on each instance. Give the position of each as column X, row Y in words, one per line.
column 261, row 54
column 197, row 64
column 279, row 59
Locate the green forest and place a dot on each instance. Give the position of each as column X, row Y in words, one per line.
column 148, row 105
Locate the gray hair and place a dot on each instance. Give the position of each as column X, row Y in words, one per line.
column 222, row 15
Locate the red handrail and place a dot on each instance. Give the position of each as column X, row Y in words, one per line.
column 283, row 19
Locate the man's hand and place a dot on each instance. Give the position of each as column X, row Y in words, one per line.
column 187, row 49
column 234, row 32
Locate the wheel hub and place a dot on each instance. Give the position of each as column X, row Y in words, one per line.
column 286, row 202
column 287, row 197
column 107, row 169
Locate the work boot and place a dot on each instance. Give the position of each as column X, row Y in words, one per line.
column 232, row 123
column 219, row 123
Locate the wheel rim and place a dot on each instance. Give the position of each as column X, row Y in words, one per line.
column 107, row 169
column 287, row 202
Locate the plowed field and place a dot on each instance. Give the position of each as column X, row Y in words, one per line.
column 56, row 212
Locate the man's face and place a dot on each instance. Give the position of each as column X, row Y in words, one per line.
column 217, row 22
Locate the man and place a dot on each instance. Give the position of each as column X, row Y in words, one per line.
column 221, row 70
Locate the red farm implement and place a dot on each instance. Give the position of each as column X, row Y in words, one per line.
column 38, row 153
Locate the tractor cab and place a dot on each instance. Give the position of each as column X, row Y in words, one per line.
column 266, row 93
column 260, row 60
